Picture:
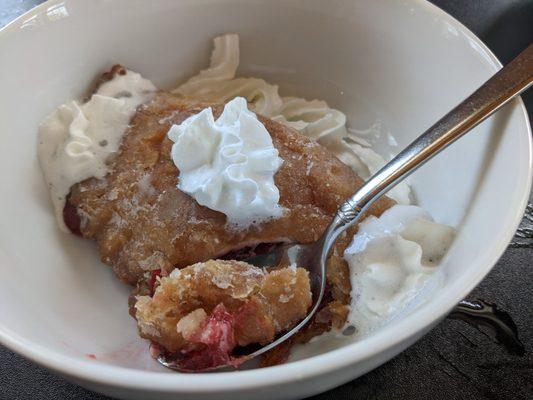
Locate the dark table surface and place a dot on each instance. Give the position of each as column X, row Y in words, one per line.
column 454, row 361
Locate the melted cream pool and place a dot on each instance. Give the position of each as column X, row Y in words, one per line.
column 393, row 260
column 393, row 264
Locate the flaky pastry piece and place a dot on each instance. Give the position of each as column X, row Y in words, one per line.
column 202, row 312
column 142, row 222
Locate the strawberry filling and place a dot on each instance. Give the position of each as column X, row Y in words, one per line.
column 153, row 280
column 211, row 346
column 71, row 218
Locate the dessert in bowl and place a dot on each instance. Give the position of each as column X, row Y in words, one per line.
column 169, row 185
column 440, row 209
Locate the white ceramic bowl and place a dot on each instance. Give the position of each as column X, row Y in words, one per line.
column 404, row 63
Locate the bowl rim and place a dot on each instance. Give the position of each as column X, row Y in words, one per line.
column 380, row 342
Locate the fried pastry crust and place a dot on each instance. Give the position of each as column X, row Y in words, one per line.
column 142, row 222
column 261, row 304
column 144, row 225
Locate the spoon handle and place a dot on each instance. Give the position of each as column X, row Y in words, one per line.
column 506, row 84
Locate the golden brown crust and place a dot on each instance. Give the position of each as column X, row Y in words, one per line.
column 142, row 222
column 263, row 304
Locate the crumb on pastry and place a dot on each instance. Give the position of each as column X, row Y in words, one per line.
column 207, row 309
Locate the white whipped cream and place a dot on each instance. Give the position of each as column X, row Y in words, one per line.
column 217, row 84
column 313, row 118
column 229, row 164
column 77, row 140
column 392, row 261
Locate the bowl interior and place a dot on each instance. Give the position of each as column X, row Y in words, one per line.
column 397, row 67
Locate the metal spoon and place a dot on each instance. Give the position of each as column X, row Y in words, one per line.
column 506, row 84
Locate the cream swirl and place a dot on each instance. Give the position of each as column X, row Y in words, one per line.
column 218, row 84
column 229, row 164
column 392, row 261
column 223, row 66
column 313, row 118
column 77, row 140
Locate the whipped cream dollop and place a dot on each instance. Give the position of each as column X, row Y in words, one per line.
column 392, row 262
column 228, row 164
column 77, row 140
column 313, row 118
